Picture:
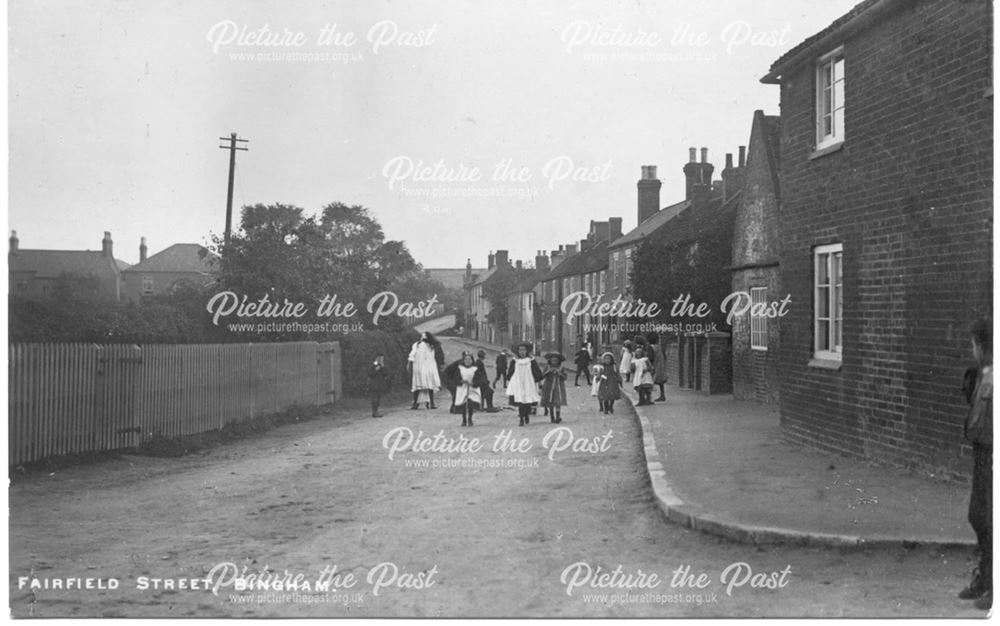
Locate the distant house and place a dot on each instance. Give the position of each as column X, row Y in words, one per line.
column 36, row 274
column 552, row 294
column 524, row 314
column 450, row 278
column 886, row 228
column 756, row 253
column 478, row 305
column 165, row 271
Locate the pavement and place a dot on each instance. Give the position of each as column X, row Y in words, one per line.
column 720, row 466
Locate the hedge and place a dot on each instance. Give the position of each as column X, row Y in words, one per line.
column 358, row 350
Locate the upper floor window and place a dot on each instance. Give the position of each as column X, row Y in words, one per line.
column 147, row 285
column 830, row 99
column 614, row 266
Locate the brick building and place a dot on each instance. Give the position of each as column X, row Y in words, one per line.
column 36, row 274
column 182, row 263
column 886, row 227
column 756, row 246
column 478, row 305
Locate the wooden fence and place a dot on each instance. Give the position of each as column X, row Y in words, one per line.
column 69, row 398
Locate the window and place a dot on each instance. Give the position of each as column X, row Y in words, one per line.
column 614, row 268
column 828, row 314
column 830, row 100
column 147, row 285
column 628, row 263
column 758, row 323
column 601, row 281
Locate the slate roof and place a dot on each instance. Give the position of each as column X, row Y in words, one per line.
column 650, row 225
column 180, row 257
column 55, row 263
column 592, row 260
column 778, row 66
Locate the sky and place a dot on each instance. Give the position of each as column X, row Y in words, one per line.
column 465, row 127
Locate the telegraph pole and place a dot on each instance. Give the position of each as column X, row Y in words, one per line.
column 232, row 147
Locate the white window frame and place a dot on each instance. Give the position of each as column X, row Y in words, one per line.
column 834, row 63
column 832, row 257
column 148, row 285
column 758, row 323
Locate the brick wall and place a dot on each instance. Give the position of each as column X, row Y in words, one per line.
column 910, row 198
column 756, row 248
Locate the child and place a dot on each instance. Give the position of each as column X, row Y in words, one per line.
column 486, row 390
column 610, row 386
column 468, row 395
column 595, row 371
column 378, row 382
column 554, row 386
column 523, row 375
column 626, row 368
column 642, row 381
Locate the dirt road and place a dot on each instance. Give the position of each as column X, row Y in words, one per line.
column 408, row 536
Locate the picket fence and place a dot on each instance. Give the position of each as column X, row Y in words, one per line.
column 72, row 398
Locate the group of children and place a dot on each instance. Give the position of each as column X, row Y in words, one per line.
column 528, row 385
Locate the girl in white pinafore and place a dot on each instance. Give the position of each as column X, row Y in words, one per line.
column 523, row 375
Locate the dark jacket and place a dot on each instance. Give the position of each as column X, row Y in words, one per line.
column 582, row 358
column 378, row 379
column 979, row 422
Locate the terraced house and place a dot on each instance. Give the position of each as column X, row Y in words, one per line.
column 886, row 209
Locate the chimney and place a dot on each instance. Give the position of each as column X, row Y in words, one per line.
column 599, row 231
column 519, row 265
column 142, row 249
column 489, row 261
column 468, row 269
column 697, row 173
column 541, row 261
column 107, row 246
column 649, row 193
column 614, row 229
column 733, row 177
column 14, row 241
column 570, row 249
column 501, row 258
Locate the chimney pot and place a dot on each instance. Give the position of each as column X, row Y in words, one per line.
column 14, row 241
column 107, row 246
column 729, row 160
column 704, row 155
column 743, row 155
column 692, row 155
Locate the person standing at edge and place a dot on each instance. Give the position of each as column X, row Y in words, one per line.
column 424, row 365
column 378, row 382
column 523, row 375
column 582, row 361
column 659, row 362
column 979, row 430
column 486, row 390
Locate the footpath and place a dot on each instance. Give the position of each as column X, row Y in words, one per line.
column 720, row 465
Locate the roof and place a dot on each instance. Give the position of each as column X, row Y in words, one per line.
column 694, row 223
column 593, row 259
column 55, row 263
column 770, row 128
column 488, row 275
column 453, row 278
column 180, row 257
column 861, row 13
column 650, row 225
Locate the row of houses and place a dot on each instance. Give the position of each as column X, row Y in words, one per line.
column 38, row 273
column 867, row 204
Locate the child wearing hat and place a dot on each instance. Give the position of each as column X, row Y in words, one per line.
column 554, row 386
column 523, row 375
column 610, row 386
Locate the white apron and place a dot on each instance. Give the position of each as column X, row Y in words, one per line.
column 425, row 371
column 523, row 386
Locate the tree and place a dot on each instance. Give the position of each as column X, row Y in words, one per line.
column 281, row 252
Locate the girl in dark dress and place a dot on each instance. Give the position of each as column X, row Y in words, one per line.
column 554, row 386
